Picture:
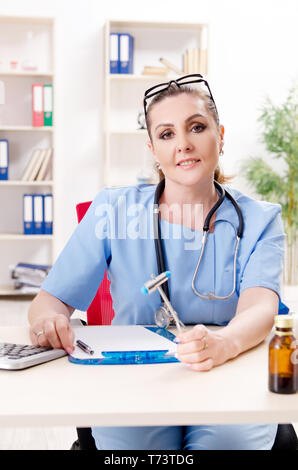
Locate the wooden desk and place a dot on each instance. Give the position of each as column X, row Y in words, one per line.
column 61, row 393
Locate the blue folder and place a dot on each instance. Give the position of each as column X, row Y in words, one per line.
column 132, row 357
column 114, row 53
column 126, row 53
column 4, row 159
column 28, row 211
column 38, row 224
column 48, row 214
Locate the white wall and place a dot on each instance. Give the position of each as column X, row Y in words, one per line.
column 253, row 52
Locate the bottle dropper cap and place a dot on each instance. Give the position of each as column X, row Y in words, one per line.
column 284, row 321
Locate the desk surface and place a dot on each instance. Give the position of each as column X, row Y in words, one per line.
column 61, row 393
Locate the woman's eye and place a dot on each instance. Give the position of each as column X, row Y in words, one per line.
column 198, row 127
column 166, row 135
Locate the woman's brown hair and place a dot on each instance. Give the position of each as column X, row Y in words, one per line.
column 174, row 90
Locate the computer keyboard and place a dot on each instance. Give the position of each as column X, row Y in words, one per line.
column 20, row 356
column 16, row 351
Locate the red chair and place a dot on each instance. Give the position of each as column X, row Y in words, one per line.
column 100, row 311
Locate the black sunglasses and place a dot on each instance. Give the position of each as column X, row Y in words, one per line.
column 185, row 80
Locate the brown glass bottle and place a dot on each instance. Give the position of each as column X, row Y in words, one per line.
column 283, row 367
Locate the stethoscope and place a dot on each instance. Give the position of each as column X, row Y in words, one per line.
column 165, row 315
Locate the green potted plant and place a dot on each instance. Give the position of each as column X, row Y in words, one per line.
column 280, row 135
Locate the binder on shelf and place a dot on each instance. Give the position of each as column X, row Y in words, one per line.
column 114, row 53
column 25, row 288
column 28, row 274
column 37, row 105
column 44, row 165
column 4, row 159
column 28, row 214
column 48, row 104
column 48, row 214
column 38, row 225
column 126, row 53
column 30, row 269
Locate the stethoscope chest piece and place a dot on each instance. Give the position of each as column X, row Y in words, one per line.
column 163, row 318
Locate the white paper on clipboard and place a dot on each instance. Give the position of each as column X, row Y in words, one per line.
column 119, row 338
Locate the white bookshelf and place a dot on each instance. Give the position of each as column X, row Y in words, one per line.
column 125, row 151
column 23, row 38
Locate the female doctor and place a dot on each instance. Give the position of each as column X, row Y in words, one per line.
column 186, row 140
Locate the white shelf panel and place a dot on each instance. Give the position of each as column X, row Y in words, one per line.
column 21, row 236
column 9, row 290
column 23, row 73
column 27, row 19
column 155, row 25
column 26, row 129
column 26, row 183
column 128, row 132
column 127, row 76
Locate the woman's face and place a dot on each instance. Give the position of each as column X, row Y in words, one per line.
column 185, row 139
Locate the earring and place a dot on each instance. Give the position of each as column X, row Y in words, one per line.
column 221, row 152
column 157, row 166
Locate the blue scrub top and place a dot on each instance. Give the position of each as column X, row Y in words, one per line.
column 116, row 234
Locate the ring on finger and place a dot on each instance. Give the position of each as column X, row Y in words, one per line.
column 39, row 333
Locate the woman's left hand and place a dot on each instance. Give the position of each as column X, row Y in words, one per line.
column 201, row 348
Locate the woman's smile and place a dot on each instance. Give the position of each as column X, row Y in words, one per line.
column 187, row 164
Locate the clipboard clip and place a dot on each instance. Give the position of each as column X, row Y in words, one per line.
column 128, row 357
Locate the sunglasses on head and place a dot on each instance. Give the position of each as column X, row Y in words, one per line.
column 185, row 80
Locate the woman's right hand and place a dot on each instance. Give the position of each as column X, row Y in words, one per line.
column 53, row 330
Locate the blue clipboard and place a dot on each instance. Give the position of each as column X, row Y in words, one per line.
column 132, row 357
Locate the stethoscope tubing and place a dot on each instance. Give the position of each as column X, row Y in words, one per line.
column 158, row 244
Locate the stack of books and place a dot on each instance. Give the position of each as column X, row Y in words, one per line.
column 28, row 278
column 167, row 67
column 121, row 53
column 38, row 166
column 195, row 61
column 155, row 70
